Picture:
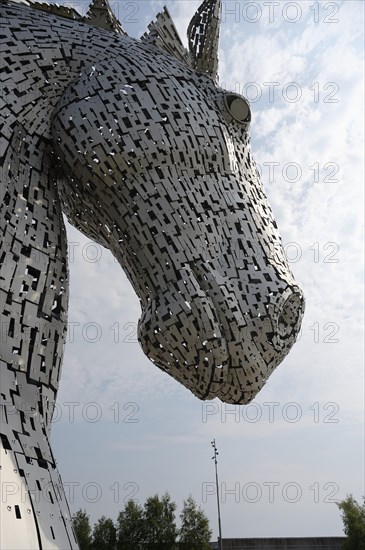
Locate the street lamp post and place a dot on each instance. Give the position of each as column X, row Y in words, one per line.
column 216, row 481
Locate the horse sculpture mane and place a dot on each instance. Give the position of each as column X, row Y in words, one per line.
column 135, row 142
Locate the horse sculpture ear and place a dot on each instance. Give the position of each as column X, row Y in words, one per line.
column 162, row 34
column 100, row 15
column 203, row 37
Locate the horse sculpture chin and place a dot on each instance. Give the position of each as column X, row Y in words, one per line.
column 146, row 155
column 173, row 191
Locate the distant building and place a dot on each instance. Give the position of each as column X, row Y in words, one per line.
column 296, row 543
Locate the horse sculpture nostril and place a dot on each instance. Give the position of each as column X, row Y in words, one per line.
column 290, row 316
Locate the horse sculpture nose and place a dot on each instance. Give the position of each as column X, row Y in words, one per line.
column 260, row 345
column 290, row 315
column 287, row 313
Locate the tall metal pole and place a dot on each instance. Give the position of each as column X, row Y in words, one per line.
column 218, row 504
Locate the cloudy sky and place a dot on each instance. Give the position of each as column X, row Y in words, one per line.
column 122, row 428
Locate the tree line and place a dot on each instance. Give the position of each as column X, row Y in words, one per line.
column 153, row 527
column 148, row 527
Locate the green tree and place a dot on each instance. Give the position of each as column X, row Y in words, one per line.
column 130, row 527
column 159, row 522
column 194, row 532
column 81, row 525
column 104, row 534
column 353, row 516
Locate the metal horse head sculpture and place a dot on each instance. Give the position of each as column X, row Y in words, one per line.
column 146, row 155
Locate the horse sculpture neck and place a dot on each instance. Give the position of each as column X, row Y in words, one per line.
column 44, row 53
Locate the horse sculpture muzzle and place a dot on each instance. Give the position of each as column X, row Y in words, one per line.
column 212, row 347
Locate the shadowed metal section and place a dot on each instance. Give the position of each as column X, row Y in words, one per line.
column 203, row 36
column 162, row 34
column 99, row 14
column 55, row 9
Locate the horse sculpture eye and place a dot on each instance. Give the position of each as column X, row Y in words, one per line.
column 238, row 108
